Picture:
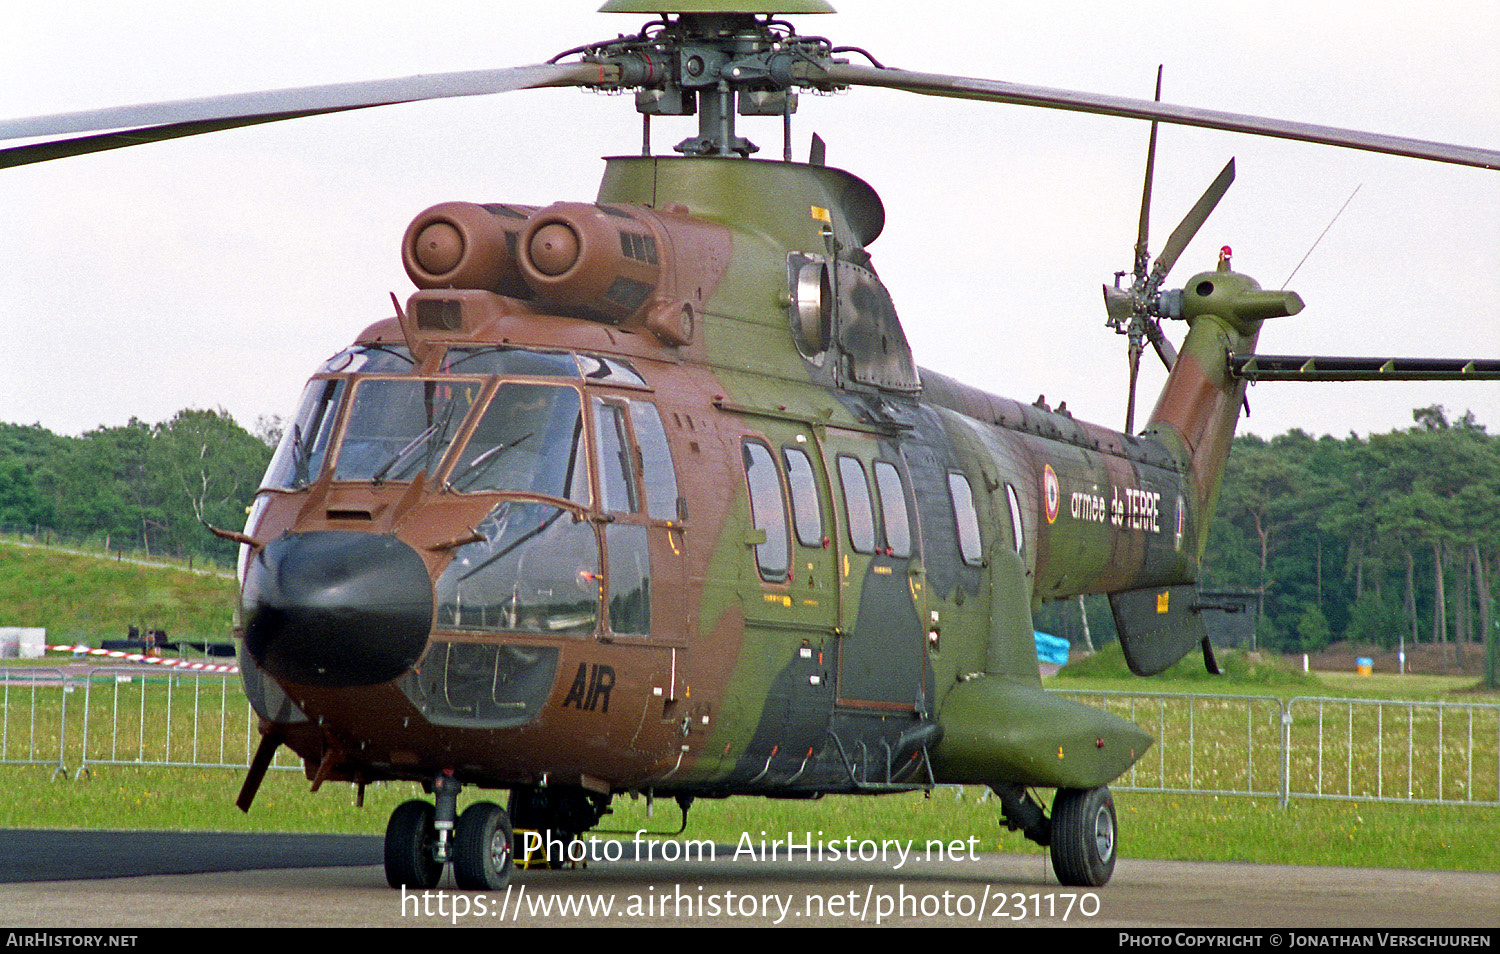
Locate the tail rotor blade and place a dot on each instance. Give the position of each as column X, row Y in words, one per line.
column 1141, row 255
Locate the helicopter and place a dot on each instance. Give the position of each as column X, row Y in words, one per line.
column 649, row 494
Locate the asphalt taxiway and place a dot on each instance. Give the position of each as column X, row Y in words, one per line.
column 121, row 880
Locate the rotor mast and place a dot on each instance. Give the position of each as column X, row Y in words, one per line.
column 716, row 63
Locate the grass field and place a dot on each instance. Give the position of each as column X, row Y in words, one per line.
column 1179, row 827
column 82, row 598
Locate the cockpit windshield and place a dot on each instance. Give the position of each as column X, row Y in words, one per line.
column 373, row 420
column 304, row 446
column 397, row 428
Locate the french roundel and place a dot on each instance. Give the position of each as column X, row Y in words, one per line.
column 1051, row 492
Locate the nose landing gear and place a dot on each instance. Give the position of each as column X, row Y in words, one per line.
column 420, row 839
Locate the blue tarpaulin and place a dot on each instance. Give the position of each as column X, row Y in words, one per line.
column 1051, row 649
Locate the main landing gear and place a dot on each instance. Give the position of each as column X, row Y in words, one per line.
column 1082, row 831
column 421, row 838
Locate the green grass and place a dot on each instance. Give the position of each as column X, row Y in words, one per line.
column 84, row 598
column 1264, row 675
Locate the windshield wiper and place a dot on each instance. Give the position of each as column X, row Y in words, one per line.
column 482, row 460
column 299, row 458
column 428, row 432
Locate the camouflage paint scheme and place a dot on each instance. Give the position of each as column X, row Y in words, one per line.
column 846, row 671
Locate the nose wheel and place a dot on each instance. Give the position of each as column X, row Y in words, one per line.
column 482, row 848
column 418, row 845
column 411, row 847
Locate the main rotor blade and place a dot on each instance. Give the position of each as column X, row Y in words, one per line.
column 1192, row 222
column 131, row 125
column 998, row 91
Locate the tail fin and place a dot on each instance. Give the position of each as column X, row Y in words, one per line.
column 1200, row 405
column 1196, row 416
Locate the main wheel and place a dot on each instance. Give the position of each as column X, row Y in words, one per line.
column 410, row 839
column 482, row 848
column 1084, row 833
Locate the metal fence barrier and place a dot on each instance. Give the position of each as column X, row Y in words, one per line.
column 128, row 716
column 1307, row 747
column 1429, row 752
column 1310, row 747
column 34, row 717
column 1207, row 744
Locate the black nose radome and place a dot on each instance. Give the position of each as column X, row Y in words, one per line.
column 334, row 608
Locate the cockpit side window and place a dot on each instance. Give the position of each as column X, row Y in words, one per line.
column 618, row 486
column 304, row 446
column 657, row 473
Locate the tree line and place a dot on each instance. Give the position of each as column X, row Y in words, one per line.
column 1374, row 539
column 142, row 487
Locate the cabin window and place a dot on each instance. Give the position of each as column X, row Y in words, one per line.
column 304, row 446
column 618, row 489
column 1017, row 529
column 767, row 511
column 807, row 511
column 857, row 510
column 529, row 439
column 398, row 428
column 970, row 546
column 892, row 491
column 657, row 472
column 535, row 571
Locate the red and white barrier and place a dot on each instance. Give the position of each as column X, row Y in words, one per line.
column 143, row 658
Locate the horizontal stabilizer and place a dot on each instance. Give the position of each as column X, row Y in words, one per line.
column 1287, row 367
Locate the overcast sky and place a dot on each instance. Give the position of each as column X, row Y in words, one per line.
column 218, row 271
